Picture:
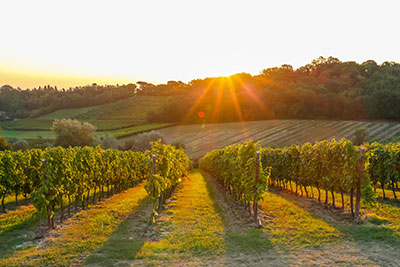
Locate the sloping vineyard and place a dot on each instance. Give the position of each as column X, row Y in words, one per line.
column 200, row 139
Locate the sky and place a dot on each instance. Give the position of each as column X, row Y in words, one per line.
column 70, row 43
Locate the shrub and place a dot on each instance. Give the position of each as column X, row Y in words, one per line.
column 141, row 142
column 4, row 145
column 109, row 141
column 74, row 133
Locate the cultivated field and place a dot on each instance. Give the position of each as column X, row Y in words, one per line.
column 200, row 139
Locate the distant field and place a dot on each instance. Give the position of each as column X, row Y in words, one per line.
column 65, row 113
column 27, row 124
column 138, row 129
column 131, row 109
column 135, row 108
column 199, row 139
column 121, row 118
column 9, row 134
column 45, row 125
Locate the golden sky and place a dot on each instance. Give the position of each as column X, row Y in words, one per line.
column 69, row 43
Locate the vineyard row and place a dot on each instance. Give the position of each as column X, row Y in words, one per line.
column 333, row 166
column 52, row 175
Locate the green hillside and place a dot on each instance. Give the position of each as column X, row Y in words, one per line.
column 65, row 113
column 135, row 108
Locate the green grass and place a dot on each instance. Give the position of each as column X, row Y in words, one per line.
column 110, row 125
column 134, row 108
column 238, row 241
column 45, row 125
column 251, row 242
column 65, row 114
column 293, row 227
column 9, row 134
column 195, row 229
column 27, row 124
column 17, row 229
column 121, row 245
column 122, row 132
column 138, row 129
column 381, row 220
column 20, row 222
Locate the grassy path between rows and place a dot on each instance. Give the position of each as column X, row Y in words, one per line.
column 199, row 226
column 202, row 226
column 188, row 230
column 84, row 233
column 313, row 234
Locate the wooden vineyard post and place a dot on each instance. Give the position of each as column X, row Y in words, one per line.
column 359, row 182
column 48, row 208
column 160, row 198
column 255, row 204
column 154, row 164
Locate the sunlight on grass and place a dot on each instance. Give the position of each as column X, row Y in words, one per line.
column 16, row 217
column 195, row 228
column 384, row 211
column 292, row 227
column 16, row 229
column 82, row 234
column 137, row 129
column 389, row 231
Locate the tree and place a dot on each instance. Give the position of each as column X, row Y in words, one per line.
column 74, row 133
column 21, row 144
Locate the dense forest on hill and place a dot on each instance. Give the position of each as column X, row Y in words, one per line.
column 326, row 88
column 18, row 103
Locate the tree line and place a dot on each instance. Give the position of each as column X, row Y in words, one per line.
column 19, row 103
column 326, row 88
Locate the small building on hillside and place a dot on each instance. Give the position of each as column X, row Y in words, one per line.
column 3, row 116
